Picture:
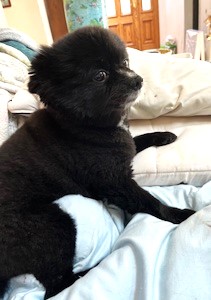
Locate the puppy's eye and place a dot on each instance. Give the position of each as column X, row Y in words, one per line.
column 126, row 63
column 101, row 76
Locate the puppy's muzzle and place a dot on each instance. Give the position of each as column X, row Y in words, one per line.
column 136, row 82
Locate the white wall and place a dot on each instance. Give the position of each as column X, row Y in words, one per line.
column 171, row 15
column 175, row 17
column 29, row 16
column 3, row 21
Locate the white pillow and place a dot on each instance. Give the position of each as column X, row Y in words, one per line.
column 173, row 86
column 187, row 160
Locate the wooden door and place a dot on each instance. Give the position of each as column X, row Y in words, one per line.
column 135, row 21
column 56, row 17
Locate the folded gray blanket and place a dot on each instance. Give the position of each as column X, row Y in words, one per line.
column 15, row 35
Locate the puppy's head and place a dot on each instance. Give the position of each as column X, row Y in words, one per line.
column 86, row 74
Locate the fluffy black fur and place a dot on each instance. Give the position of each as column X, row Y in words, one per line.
column 74, row 146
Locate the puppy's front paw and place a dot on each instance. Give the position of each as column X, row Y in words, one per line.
column 182, row 215
column 163, row 138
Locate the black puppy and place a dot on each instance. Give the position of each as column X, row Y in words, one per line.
column 78, row 144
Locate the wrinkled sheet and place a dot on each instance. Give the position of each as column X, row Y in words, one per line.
column 146, row 259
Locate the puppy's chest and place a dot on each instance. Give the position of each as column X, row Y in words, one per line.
column 107, row 147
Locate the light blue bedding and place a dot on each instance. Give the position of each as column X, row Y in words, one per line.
column 148, row 259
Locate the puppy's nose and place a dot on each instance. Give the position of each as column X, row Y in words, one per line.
column 137, row 82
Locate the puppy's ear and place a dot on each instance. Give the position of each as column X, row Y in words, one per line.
column 42, row 73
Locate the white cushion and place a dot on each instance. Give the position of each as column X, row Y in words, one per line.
column 187, row 160
column 173, row 86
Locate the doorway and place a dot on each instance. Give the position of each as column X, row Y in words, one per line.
column 135, row 21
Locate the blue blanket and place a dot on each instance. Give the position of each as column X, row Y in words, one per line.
column 140, row 256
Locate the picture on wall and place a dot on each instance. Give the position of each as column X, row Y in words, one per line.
column 6, row 3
